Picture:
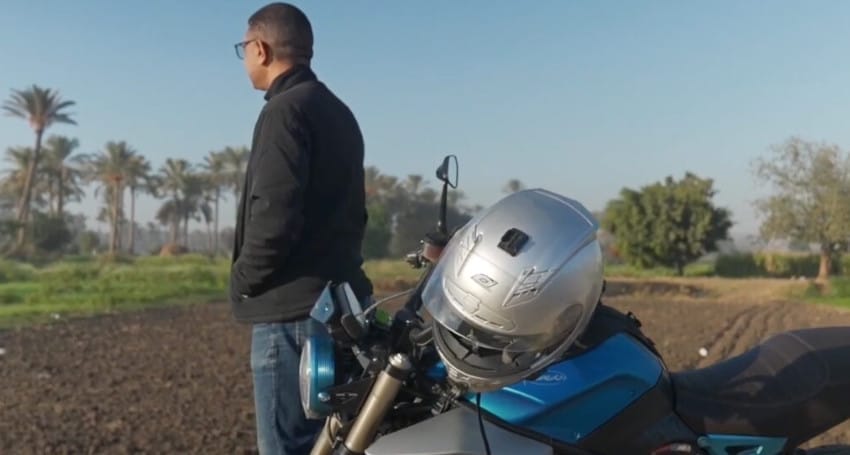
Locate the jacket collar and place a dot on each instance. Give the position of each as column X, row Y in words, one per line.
column 289, row 78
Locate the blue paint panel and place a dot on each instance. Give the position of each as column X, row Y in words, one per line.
column 577, row 396
column 716, row 444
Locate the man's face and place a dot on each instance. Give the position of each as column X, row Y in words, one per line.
column 256, row 59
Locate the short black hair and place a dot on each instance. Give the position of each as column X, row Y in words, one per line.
column 286, row 29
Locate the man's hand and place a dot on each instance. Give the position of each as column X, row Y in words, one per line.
column 273, row 218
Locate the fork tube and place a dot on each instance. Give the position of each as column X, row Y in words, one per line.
column 375, row 407
column 325, row 442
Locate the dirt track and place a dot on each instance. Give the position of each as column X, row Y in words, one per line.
column 177, row 380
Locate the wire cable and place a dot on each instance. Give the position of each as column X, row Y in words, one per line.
column 481, row 424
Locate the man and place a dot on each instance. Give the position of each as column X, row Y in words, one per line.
column 301, row 217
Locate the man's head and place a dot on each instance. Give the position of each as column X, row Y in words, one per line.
column 279, row 36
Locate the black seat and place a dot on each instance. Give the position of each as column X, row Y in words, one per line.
column 794, row 385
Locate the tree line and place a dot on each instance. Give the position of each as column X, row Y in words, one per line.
column 673, row 222
column 44, row 177
column 669, row 223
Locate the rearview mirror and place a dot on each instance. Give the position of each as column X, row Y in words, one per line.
column 447, row 172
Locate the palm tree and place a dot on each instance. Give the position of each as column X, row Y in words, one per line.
column 63, row 172
column 137, row 174
column 235, row 159
column 169, row 215
column 41, row 108
column 215, row 166
column 195, row 203
column 109, row 168
column 14, row 177
column 174, row 181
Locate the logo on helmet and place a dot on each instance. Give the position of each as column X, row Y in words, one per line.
column 485, row 281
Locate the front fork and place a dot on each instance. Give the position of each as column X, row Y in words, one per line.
column 374, row 409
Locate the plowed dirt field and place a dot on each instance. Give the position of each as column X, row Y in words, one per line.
column 177, row 380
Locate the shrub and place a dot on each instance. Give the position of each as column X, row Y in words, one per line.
column 844, row 265
column 11, row 271
column 771, row 265
column 840, row 287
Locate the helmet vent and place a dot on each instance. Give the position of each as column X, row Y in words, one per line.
column 513, row 240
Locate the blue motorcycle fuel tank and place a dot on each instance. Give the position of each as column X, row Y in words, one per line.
column 573, row 398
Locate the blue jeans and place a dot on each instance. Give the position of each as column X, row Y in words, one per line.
column 282, row 427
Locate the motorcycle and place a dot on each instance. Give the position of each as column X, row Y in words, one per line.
column 378, row 382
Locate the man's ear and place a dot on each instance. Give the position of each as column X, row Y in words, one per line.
column 265, row 54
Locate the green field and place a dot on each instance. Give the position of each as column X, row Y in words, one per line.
column 86, row 286
column 83, row 286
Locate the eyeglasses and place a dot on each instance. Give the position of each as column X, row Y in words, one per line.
column 240, row 48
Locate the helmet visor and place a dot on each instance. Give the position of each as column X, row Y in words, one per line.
column 481, row 327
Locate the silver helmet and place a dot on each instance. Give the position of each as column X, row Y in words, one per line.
column 514, row 288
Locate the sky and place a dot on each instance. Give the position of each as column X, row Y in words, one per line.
column 582, row 98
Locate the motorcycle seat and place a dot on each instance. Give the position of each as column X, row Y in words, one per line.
column 794, row 385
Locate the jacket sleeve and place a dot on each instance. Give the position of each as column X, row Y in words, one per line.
column 275, row 200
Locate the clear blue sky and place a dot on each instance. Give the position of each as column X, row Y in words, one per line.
column 579, row 97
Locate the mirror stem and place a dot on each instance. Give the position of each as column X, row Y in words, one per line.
column 441, row 224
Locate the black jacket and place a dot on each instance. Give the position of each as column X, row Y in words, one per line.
column 302, row 213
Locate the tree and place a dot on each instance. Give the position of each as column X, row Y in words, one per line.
column 195, row 203
column 382, row 201
column 669, row 223
column 513, row 186
column 215, row 168
column 177, row 180
column 88, row 242
column 14, row 177
column 372, row 179
column 413, row 183
column 41, row 108
column 418, row 215
column 63, row 171
column 811, row 200
column 235, row 160
column 172, row 178
column 402, row 211
column 110, row 169
column 137, row 177
column 376, row 240
column 50, row 233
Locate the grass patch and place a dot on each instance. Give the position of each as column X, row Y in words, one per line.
column 85, row 285
column 627, row 271
column 834, row 293
column 81, row 287
column 391, row 275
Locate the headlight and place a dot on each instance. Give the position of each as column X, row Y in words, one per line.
column 315, row 374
